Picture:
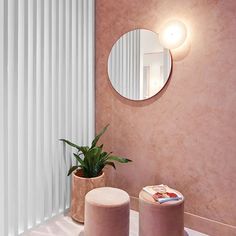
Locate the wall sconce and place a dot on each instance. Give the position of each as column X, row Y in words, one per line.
column 173, row 34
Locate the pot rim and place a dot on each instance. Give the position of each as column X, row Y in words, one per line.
column 79, row 177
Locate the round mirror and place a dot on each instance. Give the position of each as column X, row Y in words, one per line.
column 138, row 66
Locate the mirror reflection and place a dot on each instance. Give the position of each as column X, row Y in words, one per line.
column 138, row 66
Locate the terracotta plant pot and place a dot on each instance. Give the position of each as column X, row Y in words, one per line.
column 80, row 187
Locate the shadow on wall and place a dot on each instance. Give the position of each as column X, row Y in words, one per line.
column 181, row 52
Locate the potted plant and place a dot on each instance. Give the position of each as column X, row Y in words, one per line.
column 88, row 173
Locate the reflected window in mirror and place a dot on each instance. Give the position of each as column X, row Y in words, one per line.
column 138, row 66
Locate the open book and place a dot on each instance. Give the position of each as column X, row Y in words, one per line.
column 162, row 193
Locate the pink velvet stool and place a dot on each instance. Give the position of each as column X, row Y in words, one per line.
column 106, row 212
column 155, row 219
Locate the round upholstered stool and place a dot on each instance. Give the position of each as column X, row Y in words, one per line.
column 165, row 219
column 106, row 212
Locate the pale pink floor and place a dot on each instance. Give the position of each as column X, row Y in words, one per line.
column 64, row 226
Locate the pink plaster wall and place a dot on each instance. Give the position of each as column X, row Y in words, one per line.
column 186, row 136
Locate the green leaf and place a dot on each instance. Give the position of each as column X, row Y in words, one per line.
column 85, row 171
column 103, row 154
column 84, row 149
column 104, row 157
column 70, row 143
column 92, row 157
column 78, row 158
column 99, row 135
column 110, row 164
column 119, row 159
column 73, row 168
column 97, row 170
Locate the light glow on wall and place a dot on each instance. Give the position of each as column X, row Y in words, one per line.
column 173, row 34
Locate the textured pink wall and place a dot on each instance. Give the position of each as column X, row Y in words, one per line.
column 186, row 136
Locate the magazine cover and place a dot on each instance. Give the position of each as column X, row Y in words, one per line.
column 162, row 193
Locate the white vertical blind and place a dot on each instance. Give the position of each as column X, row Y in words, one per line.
column 124, row 65
column 46, row 93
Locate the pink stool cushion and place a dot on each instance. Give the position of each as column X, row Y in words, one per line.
column 155, row 219
column 106, row 212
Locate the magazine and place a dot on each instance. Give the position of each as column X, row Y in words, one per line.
column 162, row 193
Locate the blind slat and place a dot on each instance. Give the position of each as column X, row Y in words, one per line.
column 12, row 127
